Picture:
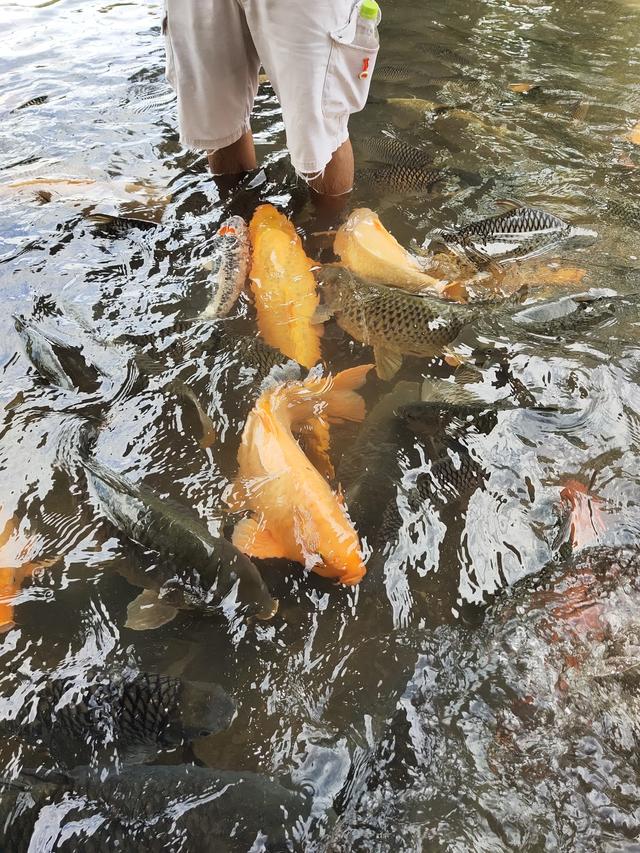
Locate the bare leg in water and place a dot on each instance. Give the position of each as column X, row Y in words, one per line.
column 328, row 190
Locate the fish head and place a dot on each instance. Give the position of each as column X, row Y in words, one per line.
column 204, row 709
column 184, row 594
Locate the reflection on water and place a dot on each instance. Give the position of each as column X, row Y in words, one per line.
column 388, row 716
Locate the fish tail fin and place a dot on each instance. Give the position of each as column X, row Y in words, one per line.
column 584, row 520
column 343, row 403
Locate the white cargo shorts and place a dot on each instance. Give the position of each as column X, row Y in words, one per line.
column 307, row 48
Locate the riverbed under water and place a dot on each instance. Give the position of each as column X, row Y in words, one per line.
column 326, row 691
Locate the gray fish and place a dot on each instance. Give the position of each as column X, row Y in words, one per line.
column 129, row 709
column 569, row 314
column 522, row 232
column 194, row 569
column 388, row 149
column 122, row 223
column 182, row 809
column 400, row 179
column 41, row 351
column 32, row 102
column 229, row 267
column 395, row 323
column 626, row 212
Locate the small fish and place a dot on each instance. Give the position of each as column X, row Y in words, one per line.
column 365, row 247
column 569, row 314
column 229, row 267
column 106, row 220
column 626, row 211
column 129, row 709
column 283, row 287
column 155, row 809
column 33, row 102
column 393, row 321
column 194, row 570
column 400, row 179
column 395, row 152
column 584, row 522
column 634, row 134
column 295, row 513
column 525, row 88
column 521, row 232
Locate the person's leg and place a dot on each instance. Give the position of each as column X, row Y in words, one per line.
column 213, row 66
column 337, row 178
column 238, row 157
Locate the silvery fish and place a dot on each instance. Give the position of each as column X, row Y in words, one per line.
column 394, row 322
column 400, row 178
column 521, row 232
column 388, row 149
column 229, row 267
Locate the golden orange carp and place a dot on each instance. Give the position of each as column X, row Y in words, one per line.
column 284, row 288
column 295, row 513
column 13, row 569
column 365, row 247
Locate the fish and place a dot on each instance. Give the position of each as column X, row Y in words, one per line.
column 626, row 211
column 545, row 691
column 365, row 247
column 127, row 709
column 16, row 565
column 521, row 232
column 106, row 221
column 295, row 514
column 396, row 73
column 393, row 321
column 584, row 522
column 388, row 149
column 524, row 88
column 283, row 287
column 209, row 434
column 181, row 808
column 569, row 314
column 32, row 102
column 194, row 570
column 229, row 267
column 634, row 134
column 400, row 179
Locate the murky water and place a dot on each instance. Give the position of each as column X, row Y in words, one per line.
column 406, row 724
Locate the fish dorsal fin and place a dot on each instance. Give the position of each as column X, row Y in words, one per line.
column 509, row 203
column 145, row 612
column 388, row 361
column 343, row 404
column 253, row 539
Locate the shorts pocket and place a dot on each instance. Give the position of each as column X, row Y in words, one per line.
column 348, row 78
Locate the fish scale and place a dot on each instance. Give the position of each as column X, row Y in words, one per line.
column 521, row 232
column 400, row 178
column 388, row 149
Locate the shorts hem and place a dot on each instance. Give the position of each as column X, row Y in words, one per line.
column 215, row 144
column 308, row 171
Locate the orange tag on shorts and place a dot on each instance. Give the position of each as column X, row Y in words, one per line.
column 365, row 69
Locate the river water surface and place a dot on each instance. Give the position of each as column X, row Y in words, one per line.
column 380, row 702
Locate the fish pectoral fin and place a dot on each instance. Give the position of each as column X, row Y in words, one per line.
column 255, row 541
column 388, row 361
column 145, row 612
column 321, row 315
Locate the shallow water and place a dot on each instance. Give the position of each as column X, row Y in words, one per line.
column 323, row 683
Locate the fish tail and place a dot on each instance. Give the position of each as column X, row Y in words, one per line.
column 585, row 522
column 343, row 404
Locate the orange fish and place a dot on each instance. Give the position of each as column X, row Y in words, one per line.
column 634, row 134
column 284, row 288
column 13, row 571
column 295, row 513
column 585, row 521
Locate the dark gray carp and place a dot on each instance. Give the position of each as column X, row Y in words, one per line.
column 521, row 232
column 626, row 212
column 194, row 570
column 127, row 710
column 400, row 178
column 388, row 149
column 182, row 809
